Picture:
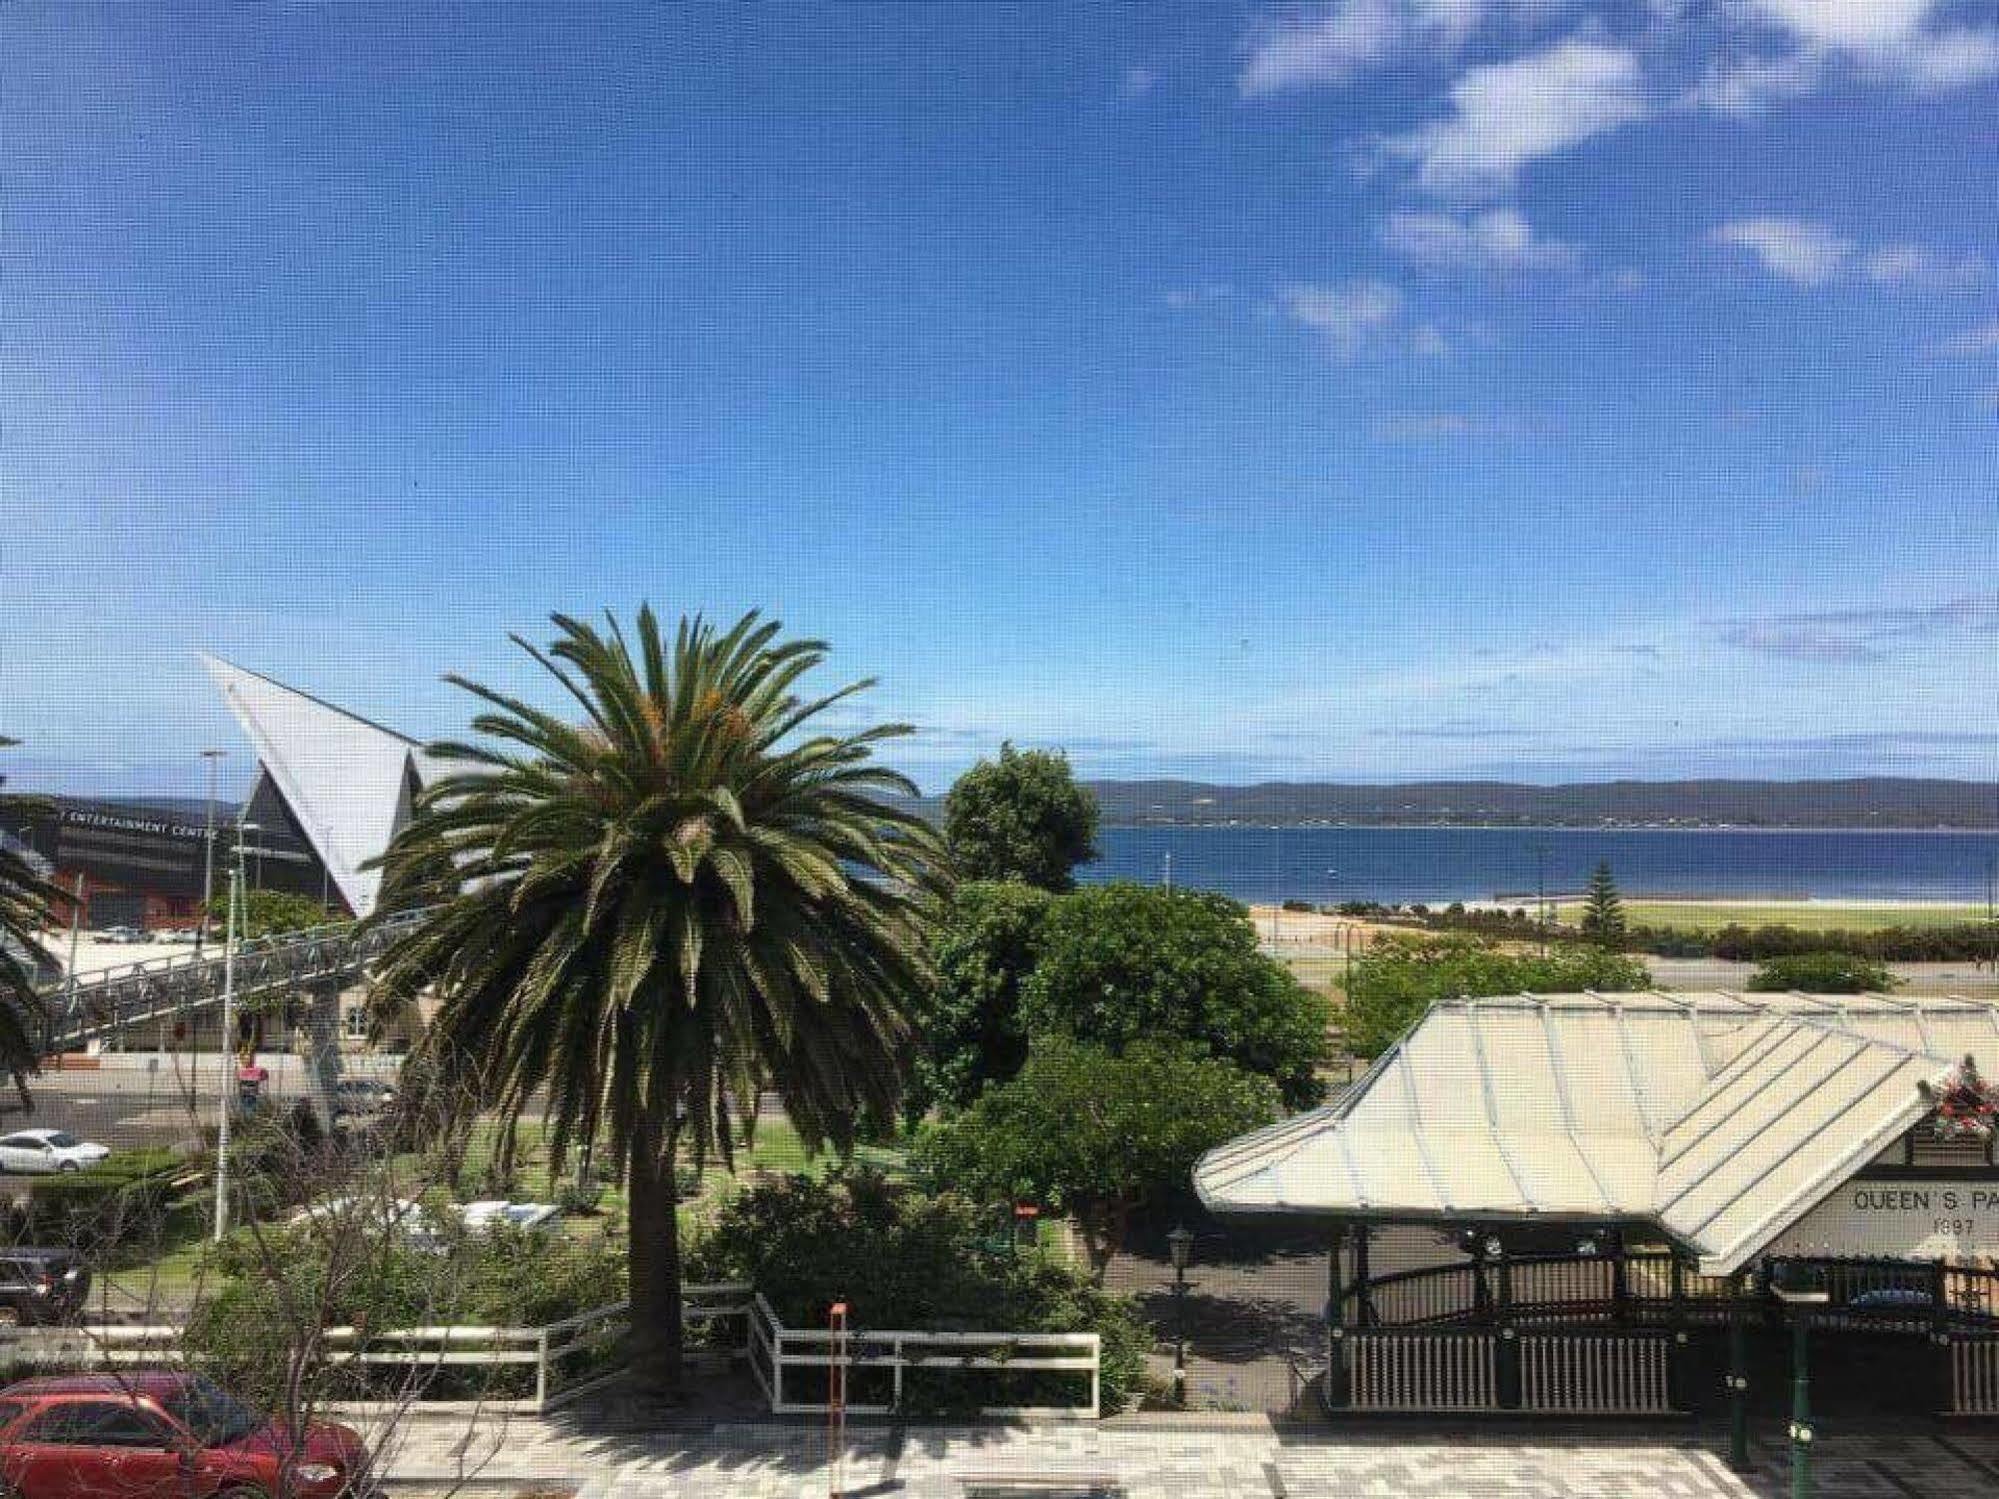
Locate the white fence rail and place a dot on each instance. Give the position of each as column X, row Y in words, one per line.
column 775, row 1349
column 563, row 1355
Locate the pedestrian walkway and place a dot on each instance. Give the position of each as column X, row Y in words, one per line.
column 1178, row 1458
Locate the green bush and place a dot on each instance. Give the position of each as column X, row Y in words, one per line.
column 266, row 1295
column 1398, row 980
column 121, row 1200
column 913, row 1261
column 1822, row 973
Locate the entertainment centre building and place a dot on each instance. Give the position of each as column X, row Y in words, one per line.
column 331, row 790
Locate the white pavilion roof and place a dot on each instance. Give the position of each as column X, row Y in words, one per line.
column 1721, row 1117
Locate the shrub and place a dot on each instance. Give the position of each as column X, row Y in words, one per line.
column 97, row 1211
column 1822, row 973
column 915, row 1261
column 1398, row 980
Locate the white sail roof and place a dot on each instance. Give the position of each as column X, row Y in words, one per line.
column 344, row 778
column 1723, row 1118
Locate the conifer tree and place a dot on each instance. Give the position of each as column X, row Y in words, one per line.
column 1603, row 909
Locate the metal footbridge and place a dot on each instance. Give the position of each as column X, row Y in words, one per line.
column 132, row 995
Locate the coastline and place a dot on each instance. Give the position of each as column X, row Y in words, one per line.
column 1990, row 829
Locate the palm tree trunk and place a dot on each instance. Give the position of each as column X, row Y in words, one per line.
column 654, row 1223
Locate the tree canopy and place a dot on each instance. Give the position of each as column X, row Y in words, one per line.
column 972, row 1030
column 25, row 895
column 1398, row 979
column 1123, row 962
column 1093, row 1133
column 693, row 894
column 1021, row 817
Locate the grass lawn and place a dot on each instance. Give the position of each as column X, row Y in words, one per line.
column 1693, row 915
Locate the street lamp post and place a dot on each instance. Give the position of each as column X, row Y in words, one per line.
column 208, row 855
column 1180, row 1244
column 1801, row 1303
column 227, row 1049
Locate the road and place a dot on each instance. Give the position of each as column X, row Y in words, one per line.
column 129, row 1107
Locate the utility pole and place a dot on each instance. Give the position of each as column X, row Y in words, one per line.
column 207, row 854
column 228, row 1050
column 1541, row 891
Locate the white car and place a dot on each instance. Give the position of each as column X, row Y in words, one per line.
column 491, row 1211
column 42, row 1150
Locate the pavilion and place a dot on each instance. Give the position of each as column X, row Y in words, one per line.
column 1620, row 1171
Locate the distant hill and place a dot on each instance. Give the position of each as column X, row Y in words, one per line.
column 1867, row 802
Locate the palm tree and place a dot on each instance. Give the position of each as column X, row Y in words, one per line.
column 24, row 910
column 656, row 912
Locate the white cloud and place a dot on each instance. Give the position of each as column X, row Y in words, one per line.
column 1796, row 249
column 1506, row 115
column 1352, row 315
column 1810, row 254
column 1499, row 239
column 1331, row 43
column 1892, row 41
column 1984, row 339
column 1906, row 264
column 1744, row 87
column 1324, row 46
column 1856, row 25
column 1947, row 59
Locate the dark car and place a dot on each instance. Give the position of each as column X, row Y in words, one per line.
column 40, row 1286
column 164, row 1436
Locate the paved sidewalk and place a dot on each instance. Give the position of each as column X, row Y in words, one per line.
column 1154, row 1458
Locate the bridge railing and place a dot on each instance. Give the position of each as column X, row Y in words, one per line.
column 103, row 1002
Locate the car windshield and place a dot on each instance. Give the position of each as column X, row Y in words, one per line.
column 62, row 1141
column 216, row 1417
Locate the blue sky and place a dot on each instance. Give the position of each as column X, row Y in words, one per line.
column 1367, row 390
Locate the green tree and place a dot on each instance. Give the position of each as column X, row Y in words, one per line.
column 1121, row 962
column 972, row 1030
column 1095, row 1134
column 1021, row 817
column 689, row 896
column 25, row 897
column 1603, row 909
column 1398, row 979
column 1822, row 973
column 270, row 913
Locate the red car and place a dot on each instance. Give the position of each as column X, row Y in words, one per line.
column 164, row 1436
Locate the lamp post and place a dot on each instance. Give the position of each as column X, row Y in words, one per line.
column 227, row 1049
column 212, row 756
column 1180, row 1244
column 1801, row 1302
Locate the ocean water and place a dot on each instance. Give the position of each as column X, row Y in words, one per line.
column 1445, row 864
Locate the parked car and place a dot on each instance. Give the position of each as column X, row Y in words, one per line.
column 43, row 1150
column 125, row 934
column 161, row 1435
column 487, row 1213
column 41, row 1286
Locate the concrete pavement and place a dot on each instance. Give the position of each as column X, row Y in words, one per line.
column 1168, row 1457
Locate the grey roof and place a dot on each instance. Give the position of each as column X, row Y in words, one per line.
column 1723, row 1118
